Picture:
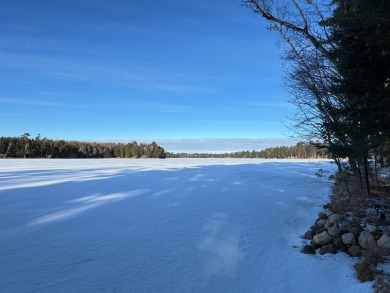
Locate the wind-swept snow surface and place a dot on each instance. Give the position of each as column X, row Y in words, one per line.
column 170, row 225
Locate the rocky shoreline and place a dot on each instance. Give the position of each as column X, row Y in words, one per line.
column 359, row 226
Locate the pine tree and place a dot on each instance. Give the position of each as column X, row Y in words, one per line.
column 361, row 34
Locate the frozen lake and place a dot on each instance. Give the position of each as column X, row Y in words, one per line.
column 174, row 225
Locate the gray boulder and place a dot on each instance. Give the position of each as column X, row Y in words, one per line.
column 322, row 215
column 334, row 231
column 309, row 249
column 327, row 225
column 320, row 223
column 355, row 250
column 328, row 213
column 322, row 238
column 366, row 240
column 354, row 228
column 327, row 249
column 370, row 228
column 333, row 219
column 308, row 235
column 349, row 239
column 338, row 243
column 384, row 242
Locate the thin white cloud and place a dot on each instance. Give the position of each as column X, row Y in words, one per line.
column 28, row 102
column 123, row 73
column 271, row 105
column 222, row 145
column 144, row 107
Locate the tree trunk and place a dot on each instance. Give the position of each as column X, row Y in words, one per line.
column 9, row 146
column 366, row 174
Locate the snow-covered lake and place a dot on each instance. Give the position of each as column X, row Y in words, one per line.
column 174, row 225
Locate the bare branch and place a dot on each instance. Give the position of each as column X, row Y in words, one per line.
column 304, row 19
column 266, row 13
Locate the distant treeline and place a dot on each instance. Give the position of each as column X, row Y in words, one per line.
column 301, row 150
column 38, row 147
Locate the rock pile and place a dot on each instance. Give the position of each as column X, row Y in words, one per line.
column 358, row 225
column 334, row 232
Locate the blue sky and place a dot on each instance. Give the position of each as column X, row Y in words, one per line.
column 139, row 70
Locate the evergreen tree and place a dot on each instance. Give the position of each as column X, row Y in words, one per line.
column 361, row 34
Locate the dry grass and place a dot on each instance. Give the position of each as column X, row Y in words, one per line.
column 347, row 196
column 381, row 190
column 366, row 269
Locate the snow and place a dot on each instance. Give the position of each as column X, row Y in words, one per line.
column 174, row 225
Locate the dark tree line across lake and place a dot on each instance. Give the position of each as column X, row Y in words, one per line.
column 26, row 147
column 38, row 147
column 301, row 150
